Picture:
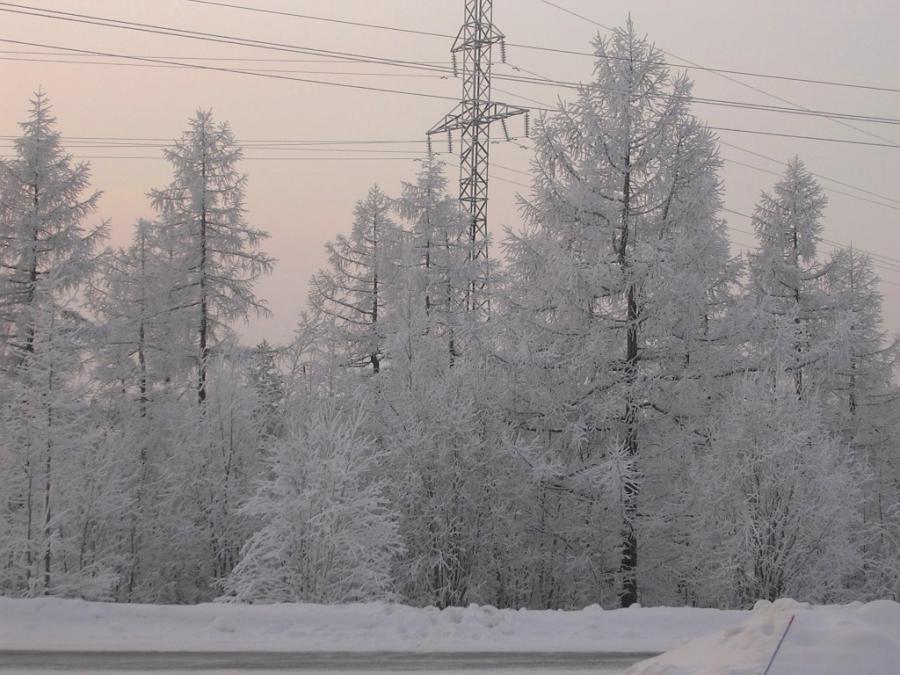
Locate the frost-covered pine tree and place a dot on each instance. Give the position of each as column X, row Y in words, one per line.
column 220, row 256
column 615, row 287
column 351, row 290
column 326, row 533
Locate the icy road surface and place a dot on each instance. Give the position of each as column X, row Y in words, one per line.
column 533, row 663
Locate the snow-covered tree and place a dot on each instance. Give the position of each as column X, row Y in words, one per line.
column 786, row 276
column 143, row 338
column 326, row 532
column 616, row 284
column 438, row 228
column 50, row 438
column 61, row 477
column 220, row 258
column 268, row 386
column 351, row 290
column 858, row 376
column 776, row 502
column 46, row 248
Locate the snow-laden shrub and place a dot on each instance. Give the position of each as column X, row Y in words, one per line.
column 328, row 535
column 776, row 502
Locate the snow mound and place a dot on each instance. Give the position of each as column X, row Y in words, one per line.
column 822, row 640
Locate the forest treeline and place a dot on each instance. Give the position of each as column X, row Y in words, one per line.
column 626, row 412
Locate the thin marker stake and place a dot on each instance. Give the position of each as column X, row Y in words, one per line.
column 775, row 653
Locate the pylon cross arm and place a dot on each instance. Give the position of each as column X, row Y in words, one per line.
column 490, row 112
column 452, row 121
column 489, row 35
column 502, row 111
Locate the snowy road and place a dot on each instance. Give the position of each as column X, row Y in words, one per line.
column 243, row 662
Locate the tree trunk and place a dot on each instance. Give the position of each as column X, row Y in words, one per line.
column 47, row 487
column 204, row 309
column 628, row 567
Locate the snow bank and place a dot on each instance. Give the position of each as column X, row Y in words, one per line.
column 823, row 640
column 51, row 623
column 836, row 640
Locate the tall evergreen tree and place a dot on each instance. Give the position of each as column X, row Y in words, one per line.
column 48, row 431
column 47, row 249
column 786, row 276
column 618, row 278
column 220, row 255
column 438, row 230
column 351, row 290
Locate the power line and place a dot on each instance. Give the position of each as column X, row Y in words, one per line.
column 824, row 139
column 254, row 70
column 245, row 141
column 182, row 65
column 885, row 261
column 746, row 105
column 727, row 71
column 817, row 175
column 29, row 10
column 545, row 107
column 203, row 58
column 251, row 158
column 723, row 75
column 237, row 71
column 359, row 24
column 832, row 190
column 710, row 69
column 104, row 22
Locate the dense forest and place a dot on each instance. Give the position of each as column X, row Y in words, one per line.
column 635, row 413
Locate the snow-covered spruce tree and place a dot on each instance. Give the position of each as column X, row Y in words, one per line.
column 351, row 289
column 616, row 285
column 776, row 501
column 220, row 259
column 326, row 532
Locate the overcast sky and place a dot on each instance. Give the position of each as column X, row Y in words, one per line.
column 303, row 203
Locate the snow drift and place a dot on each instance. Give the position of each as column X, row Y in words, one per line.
column 857, row 639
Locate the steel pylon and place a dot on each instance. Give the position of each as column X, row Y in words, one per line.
column 473, row 117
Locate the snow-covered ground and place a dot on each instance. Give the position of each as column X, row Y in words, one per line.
column 50, row 623
column 854, row 639
column 858, row 639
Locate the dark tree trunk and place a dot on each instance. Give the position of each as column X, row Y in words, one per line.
column 628, row 568
column 373, row 357
column 204, row 308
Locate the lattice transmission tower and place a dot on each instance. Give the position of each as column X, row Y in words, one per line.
column 473, row 117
